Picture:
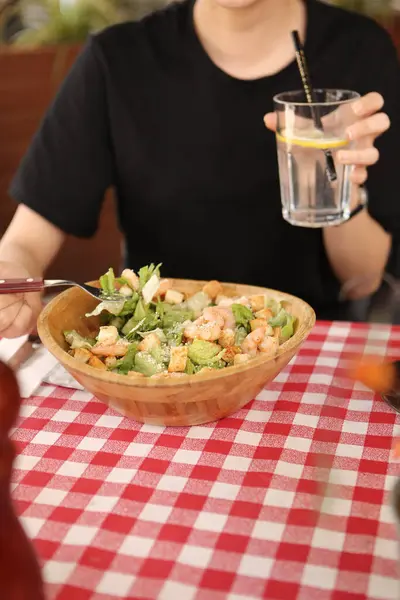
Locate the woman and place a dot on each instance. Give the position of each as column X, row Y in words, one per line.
column 170, row 112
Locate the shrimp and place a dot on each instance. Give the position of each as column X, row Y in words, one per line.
column 229, row 317
column 252, row 341
column 222, row 315
column 269, row 345
column 213, row 315
column 131, row 278
column 209, row 332
column 120, row 348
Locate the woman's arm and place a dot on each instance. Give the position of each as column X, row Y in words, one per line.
column 358, row 251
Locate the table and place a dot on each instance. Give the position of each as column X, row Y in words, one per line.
column 225, row 511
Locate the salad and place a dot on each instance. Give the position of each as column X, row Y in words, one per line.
column 149, row 329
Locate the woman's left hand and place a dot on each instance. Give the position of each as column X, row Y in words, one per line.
column 371, row 123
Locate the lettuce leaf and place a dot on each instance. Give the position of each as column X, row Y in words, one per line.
column 114, row 307
column 243, row 316
column 146, row 363
column 203, row 353
column 173, row 316
column 240, row 335
column 145, row 274
column 76, row 340
column 287, row 330
column 107, row 283
column 280, row 319
column 198, row 302
column 127, row 363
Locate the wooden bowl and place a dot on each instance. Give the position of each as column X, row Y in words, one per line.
column 192, row 400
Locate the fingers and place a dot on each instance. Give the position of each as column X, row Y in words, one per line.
column 374, row 126
column 359, row 175
column 362, row 156
column 368, row 104
column 270, row 121
column 24, row 321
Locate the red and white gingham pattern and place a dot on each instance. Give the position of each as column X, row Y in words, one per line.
column 226, row 511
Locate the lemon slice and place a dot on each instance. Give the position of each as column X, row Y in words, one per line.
column 314, row 139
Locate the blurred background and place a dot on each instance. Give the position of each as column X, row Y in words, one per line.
column 39, row 40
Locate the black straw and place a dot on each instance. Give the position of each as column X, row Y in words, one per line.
column 310, row 96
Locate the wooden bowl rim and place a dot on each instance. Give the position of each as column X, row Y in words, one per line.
column 63, row 357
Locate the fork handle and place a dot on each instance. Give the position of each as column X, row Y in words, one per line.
column 15, row 286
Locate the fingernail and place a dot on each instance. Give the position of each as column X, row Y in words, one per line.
column 357, row 108
column 349, row 134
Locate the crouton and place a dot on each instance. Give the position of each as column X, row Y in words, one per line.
column 82, row 354
column 265, row 313
column 227, row 338
column 257, row 323
column 174, row 297
column 257, row 302
column 107, row 335
column 164, row 286
column 241, row 359
column 178, row 359
column 97, row 363
column 213, row 289
column 110, row 361
column 149, row 342
column 230, row 353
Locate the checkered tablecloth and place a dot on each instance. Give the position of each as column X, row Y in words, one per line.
column 226, row 511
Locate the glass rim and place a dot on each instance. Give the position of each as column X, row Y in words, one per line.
column 277, row 98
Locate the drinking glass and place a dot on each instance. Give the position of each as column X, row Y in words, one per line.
column 310, row 198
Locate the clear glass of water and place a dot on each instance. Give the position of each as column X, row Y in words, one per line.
column 310, row 198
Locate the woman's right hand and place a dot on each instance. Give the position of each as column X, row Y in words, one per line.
column 18, row 312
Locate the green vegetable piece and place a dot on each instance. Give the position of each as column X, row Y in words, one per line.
column 176, row 315
column 130, row 325
column 202, row 353
column 161, row 354
column 280, row 319
column 287, row 330
column 191, row 368
column 129, row 305
column 274, row 306
column 146, row 363
column 174, row 335
column 159, row 333
column 117, row 322
column 243, row 316
column 122, row 281
column 127, row 363
column 76, row 340
column 240, row 335
column 198, row 302
column 107, row 283
column 140, row 311
column 103, row 281
column 145, row 273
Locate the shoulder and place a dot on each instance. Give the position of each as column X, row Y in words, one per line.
column 157, row 31
column 354, row 30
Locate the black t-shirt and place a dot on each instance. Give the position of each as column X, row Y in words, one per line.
column 145, row 110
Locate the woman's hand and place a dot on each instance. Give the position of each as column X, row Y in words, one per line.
column 371, row 123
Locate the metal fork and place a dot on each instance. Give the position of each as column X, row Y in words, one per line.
column 36, row 284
